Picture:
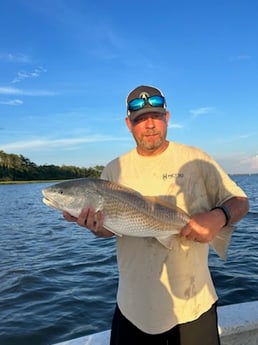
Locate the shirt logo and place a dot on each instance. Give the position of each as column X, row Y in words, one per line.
column 170, row 176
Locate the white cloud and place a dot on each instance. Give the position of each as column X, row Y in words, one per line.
column 20, row 58
column 243, row 57
column 12, row 102
column 48, row 143
column 175, row 125
column 202, row 111
column 239, row 162
column 7, row 90
column 25, row 75
column 251, row 162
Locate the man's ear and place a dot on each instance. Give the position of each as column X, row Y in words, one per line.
column 167, row 116
column 128, row 123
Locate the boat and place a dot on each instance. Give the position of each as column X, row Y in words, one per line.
column 237, row 324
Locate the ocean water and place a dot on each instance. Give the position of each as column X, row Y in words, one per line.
column 58, row 282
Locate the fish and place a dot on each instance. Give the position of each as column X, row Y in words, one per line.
column 126, row 211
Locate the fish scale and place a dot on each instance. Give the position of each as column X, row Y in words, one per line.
column 129, row 210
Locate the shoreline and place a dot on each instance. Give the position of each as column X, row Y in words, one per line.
column 29, row 181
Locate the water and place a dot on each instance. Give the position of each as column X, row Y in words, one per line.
column 58, row 282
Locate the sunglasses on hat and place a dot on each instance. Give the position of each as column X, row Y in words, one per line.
column 153, row 101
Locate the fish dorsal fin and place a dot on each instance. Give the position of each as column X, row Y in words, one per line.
column 166, row 201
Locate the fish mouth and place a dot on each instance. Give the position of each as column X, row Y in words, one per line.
column 51, row 203
column 47, row 201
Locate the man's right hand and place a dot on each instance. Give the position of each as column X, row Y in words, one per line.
column 91, row 220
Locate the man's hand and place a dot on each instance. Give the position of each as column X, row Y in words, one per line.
column 203, row 227
column 91, row 220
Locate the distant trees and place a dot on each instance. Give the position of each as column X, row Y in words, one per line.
column 19, row 168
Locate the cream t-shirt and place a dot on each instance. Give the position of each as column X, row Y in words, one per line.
column 160, row 288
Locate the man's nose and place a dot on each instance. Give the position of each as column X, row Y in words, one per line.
column 149, row 123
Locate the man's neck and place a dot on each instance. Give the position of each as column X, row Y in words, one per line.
column 154, row 152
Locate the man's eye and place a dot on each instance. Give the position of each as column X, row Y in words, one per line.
column 138, row 120
column 144, row 118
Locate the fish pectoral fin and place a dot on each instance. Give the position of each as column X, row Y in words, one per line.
column 111, row 230
column 116, row 233
column 166, row 241
column 221, row 242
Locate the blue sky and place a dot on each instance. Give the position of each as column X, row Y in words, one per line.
column 66, row 67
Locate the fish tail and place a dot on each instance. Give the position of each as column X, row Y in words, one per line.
column 221, row 242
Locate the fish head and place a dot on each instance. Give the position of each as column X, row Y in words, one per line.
column 71, row 196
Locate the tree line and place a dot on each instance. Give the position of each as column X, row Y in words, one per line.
column 15, row 167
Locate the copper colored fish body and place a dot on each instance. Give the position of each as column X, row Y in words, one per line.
column 126, row 212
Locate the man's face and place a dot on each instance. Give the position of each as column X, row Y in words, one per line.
column 149, row 131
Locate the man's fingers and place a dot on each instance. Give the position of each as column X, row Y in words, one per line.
column 83, row 219
column 68, row 217
column 185, row 231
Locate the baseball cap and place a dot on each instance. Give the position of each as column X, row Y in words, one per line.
column 141, row 101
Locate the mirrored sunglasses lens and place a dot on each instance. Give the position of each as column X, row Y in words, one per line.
column 156, row 101
column 136, row 104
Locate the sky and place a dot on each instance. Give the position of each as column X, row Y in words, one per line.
column 66, row 67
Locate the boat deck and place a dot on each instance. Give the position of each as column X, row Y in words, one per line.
column 238, row 325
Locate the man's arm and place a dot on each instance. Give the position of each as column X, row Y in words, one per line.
column 237, row 207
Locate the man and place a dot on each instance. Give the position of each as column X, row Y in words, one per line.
column 166, row 296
